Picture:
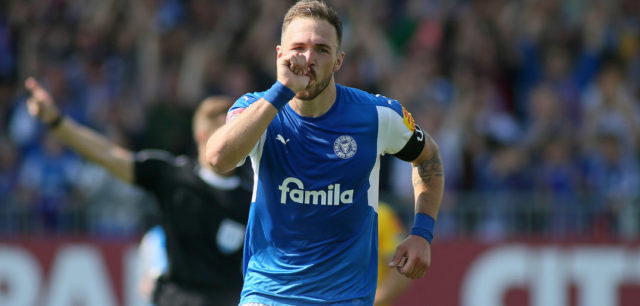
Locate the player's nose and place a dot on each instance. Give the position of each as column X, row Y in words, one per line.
column 309, row 55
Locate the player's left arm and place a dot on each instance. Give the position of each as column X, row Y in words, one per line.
column 413, row 255
column 428, row 178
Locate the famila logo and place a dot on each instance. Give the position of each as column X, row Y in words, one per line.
column 331, row 196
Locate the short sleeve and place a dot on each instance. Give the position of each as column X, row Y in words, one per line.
column 238, row 107
column 241, row 104
column 395, row 126
column 151, row 167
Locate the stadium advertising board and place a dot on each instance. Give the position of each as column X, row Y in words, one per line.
column 542, row 273
column 63, row 271
column 57, row 272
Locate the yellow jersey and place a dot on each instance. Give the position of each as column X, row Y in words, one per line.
column 390, row 234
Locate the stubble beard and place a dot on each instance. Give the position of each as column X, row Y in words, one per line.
column 311, row 92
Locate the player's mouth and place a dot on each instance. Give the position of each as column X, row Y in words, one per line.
column 311, row 74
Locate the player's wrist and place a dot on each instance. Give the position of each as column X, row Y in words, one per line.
column 279, row 95
column 55, row 122
column 423, row 226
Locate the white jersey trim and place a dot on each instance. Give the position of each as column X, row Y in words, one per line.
column 256, row 156
column 374, row 181
column 393, row 134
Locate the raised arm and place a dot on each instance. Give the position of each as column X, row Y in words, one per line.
column 83, row 140
column 413, row 256
column 231, row 143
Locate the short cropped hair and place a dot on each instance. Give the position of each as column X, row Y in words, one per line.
column 210, row 114
column 317, row 9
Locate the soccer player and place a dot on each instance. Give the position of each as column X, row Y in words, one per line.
column 391, row 284
column 153, row 260
column 315, row 148
column 203, row 212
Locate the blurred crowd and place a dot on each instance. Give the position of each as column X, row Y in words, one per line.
column 535, row 103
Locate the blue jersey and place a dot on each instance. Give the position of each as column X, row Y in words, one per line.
column 312, row 234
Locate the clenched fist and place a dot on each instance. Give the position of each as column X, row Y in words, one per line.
column 293, row 72
column 40, row 104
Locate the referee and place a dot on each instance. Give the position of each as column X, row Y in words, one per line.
column 203, row 213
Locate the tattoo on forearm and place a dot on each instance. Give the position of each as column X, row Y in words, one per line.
column 429, row 168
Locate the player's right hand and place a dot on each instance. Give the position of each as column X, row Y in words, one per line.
column 292, row 71
column 40, row 104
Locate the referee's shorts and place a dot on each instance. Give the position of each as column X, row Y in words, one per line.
column 170, row 294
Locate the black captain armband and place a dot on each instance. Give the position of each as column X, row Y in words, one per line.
column 414, row 146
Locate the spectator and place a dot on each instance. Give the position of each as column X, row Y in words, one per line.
column 546, row 64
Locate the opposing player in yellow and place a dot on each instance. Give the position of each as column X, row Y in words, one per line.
column 391, row 284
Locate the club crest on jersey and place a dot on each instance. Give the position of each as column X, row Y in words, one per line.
column 408, row 119
column 345, row 146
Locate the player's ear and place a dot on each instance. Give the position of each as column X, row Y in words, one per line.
column 279, row 51
column 338, row 62
column 200, row 136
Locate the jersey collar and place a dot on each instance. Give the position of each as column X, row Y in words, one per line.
column 218, row 181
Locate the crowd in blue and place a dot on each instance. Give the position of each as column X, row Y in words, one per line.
column 535, row 103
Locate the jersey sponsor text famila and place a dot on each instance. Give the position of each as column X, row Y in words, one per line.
column 332, row 195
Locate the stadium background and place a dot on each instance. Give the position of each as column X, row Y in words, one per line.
column 534, row 103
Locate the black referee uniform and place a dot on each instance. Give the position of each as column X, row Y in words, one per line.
column 204, row 218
